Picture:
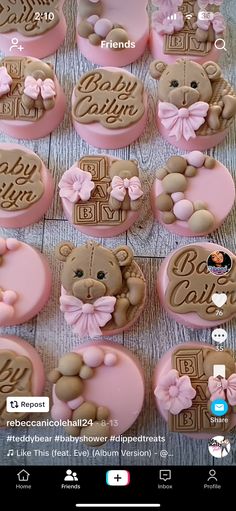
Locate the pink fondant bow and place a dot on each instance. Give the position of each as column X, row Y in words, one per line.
column 122, row 186
column 5, row 81
column 220, row 388
column 87, row 318
column 34, row 88
column 182, row 122
column 217, row 21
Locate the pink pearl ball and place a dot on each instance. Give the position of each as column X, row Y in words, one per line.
column 196, row 158
column 110, row 359
column 183, row 209
column 61, row 411
column 177, row 196
column 103, row 27
column 93, row 19
column 75, row 403
column 93, row 357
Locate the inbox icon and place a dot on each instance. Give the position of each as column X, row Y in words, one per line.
column 219, row 407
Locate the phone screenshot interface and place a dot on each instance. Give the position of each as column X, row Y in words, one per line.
column 117, row 248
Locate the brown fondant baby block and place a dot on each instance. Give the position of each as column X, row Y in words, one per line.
column 186, row 387
column 102, row 196
column 196, row 104
column 103, row 290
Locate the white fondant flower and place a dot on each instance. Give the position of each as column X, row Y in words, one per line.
column 76, row 185
column 164, row 24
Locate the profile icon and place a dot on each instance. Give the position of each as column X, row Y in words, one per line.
column 219, row 263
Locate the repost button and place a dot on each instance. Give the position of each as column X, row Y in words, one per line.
column 27, row 404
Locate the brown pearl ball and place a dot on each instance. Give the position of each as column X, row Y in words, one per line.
column 201, row 221
column 86, row 411
column 87, row 8
column 86, row 372
column 73, row 430
column 164, row 202
column 69, row 388
column 209, row 162
column 54, row 375
column 176, row 164
column 95, row 431
column 70, row 364
column 174, row 183
column 95, row 39
column 117, row 35
column 102, row 413
column 168, row 218
column 85, row 29
column 190, row 171
column 161, row 173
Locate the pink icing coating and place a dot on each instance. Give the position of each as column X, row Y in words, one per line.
column 183, row 209
column 196, row 158
column 156, row 44
column 26, row 272
column 23, row 348
column 104, row 231
column 98, row 136
column 75, row 403
column 190, row 319
column 93, row 357
column 24, row 217
column 131, row 15
column 120, row 388
column 41, row 128
column 206, row 187
column 38, row 46
column 162, row 368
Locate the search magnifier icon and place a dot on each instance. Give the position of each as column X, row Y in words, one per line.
column 220, row 44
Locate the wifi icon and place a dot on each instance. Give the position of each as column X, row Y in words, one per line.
column 188, row 16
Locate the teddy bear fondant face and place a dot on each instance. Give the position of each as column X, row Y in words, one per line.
column 38, row 69
column 126, row 169
column 185, row 82
column 93, row 271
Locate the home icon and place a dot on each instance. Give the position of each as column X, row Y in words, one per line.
column 23, row 475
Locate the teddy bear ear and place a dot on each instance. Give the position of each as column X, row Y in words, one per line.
column 64, row 250
column 212, row 69
column 124, row 255
column 157, row 68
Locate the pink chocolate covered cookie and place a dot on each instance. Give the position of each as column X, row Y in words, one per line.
column 102, row 196
column 21, row 374
column 187, row 28
column 33, row 27
column 32, row 103
column 25, row 282
column 196, row 104
column 26, row 187
column 103, row 291
column 186, row 387
column 197, row 285
column 109, row 108
column 187, row 194
column 100, row 389
column 111, row 33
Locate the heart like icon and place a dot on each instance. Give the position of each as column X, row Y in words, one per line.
column 219, row 299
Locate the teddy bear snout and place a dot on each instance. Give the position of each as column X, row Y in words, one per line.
column 89, row 289
column 183, row 97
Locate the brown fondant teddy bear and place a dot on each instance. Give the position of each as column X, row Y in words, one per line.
column 125, row 170
column 186, row 82
column 214, row 357
column 92, row 271
column 38, row 93
column 69, row 379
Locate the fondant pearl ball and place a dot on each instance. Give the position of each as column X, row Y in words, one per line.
column 95, row 39
column 85, row 29
column 199, row 205
column 93, row 19
column 103, row 27
column 168, row 218
column 190, row 171
column 61, row 411
column 117, row 35
column 174, row 183
column 12, row 243
column 210, row 162
column 183, row 209
column 176, row 197
column 70, row 364
column 196, row 158
column 86, row 411
column 3, row 247
column 161, row 173
column 164, row 202
column 110, row 359
column 69, row 388
column 176, row 164
column 201, row 221
column 93, row 357
column 75, row 403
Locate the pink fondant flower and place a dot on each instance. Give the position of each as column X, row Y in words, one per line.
column 164, row 24
column 217, row 21
column 75, row 185
column 175, row 392
column 5, row 81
